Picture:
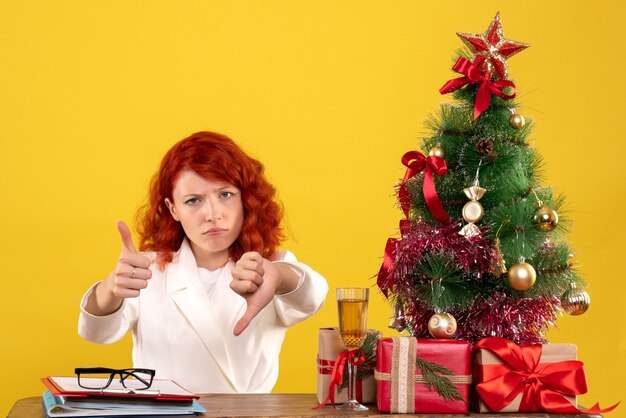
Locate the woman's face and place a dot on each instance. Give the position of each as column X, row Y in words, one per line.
column 211, row 214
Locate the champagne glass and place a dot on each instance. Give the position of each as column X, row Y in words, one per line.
column 352, row 307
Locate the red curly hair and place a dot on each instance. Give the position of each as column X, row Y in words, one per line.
column 215, row 157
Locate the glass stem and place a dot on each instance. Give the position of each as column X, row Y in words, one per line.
column 351, row 382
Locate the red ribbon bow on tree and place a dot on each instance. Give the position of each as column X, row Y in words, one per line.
column 354, row 357
column 416, row 162
column 542, row 385
column 473, row 74
column 385, row 274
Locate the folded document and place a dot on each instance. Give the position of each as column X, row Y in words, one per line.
column 161, row 389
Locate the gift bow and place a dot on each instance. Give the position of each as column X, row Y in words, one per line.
column 472, row 75
column 415, row 163
column 354, row 357
column 543, row 386
column 325, row 367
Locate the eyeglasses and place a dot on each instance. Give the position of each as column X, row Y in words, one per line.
column 95, row 377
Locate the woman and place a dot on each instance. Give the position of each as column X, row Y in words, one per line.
column 209, row 299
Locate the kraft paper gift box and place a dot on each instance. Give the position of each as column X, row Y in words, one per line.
column 400, row 385
column 486, row 365
column 329, row 347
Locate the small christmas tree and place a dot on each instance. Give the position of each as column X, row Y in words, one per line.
column 482, row 251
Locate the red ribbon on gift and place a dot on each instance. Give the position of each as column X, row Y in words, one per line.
column 354, row 357
column 326, row 367
column 417, row 162
column 472, row 75
column 543, row 386
column 385, row 276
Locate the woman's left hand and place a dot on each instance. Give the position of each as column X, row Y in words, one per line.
column 256, row 280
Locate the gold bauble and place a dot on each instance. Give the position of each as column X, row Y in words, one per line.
column 522, row 276
column 546, row 218
column 442, row 325
column 517, row 121
column 575, row 301
column 436, row 151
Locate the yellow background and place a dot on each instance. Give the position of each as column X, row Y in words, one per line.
column 329, row 95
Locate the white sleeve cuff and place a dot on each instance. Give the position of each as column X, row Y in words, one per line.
column 297, row 270
column 306, row 299
column 100, row 329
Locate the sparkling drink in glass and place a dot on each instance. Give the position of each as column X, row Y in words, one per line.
column 352, row 309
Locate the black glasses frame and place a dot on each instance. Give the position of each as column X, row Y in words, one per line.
column 123, row 373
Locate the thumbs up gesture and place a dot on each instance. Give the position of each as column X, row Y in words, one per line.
column 132, row 271
column 130, row 276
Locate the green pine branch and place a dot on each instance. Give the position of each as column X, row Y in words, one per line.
column 435, row 377
column 439, row 282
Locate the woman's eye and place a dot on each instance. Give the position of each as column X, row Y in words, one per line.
column 226, row 195
column 192, row 201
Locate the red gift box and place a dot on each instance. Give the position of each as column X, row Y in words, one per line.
column 531, row 378
column 400, row 385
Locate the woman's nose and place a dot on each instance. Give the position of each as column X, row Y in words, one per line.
column 211, row 211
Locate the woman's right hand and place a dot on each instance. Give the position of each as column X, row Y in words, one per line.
column 130, row 276
column 132, row 271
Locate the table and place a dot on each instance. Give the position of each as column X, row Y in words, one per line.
column 274, row 405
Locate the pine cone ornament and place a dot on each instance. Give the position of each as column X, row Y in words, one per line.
column 484, row 146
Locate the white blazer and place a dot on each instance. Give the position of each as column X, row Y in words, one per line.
column 186, row 334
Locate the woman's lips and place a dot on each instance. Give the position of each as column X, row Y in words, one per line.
column 214, row 231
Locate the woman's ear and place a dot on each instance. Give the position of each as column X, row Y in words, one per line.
column 172, row 209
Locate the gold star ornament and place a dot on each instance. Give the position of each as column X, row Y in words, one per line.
column 491, row 49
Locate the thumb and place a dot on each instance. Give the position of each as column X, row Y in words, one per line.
column 248, row 316
column 127, row 239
